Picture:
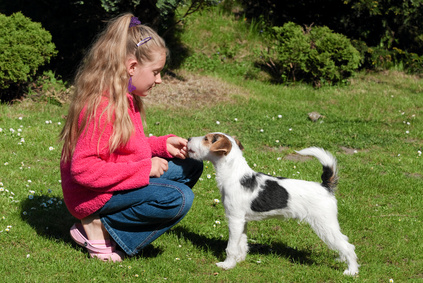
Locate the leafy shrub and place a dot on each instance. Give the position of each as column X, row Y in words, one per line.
column 49, row 88
column 25, row 46
column 380, row 58
column 388, row 23
column 74, row 30
column 315, row 54
column 413, row 63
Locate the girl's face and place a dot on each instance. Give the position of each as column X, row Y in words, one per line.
column 146, row 76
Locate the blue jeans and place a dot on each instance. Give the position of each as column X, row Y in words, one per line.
column 137, row 217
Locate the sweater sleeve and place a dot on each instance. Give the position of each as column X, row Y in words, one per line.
column 94, row 167
column 158, row 146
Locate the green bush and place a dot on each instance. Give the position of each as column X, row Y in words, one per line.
column 24, row 46
column 314, row 54
column 380, row 58
column 49, row 87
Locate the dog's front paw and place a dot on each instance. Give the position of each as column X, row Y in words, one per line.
column 241, row 258
column 351, row 272
column 227, row 264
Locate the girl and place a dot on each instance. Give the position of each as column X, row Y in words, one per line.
column 125, row 188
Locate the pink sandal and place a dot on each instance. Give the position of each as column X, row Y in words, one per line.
column 102, row 249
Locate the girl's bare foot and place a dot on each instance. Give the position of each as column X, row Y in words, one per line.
column 94, row 228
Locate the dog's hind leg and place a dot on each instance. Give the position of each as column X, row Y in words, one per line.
column 243, row 244
column 329, row 231
column 235, row 252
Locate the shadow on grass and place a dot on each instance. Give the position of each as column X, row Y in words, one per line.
column 50, row 218
column 218, row 246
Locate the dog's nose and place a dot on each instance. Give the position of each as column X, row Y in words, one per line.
column 189, row 139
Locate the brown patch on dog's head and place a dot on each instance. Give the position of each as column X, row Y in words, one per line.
column 218, row 143
column 238, row 143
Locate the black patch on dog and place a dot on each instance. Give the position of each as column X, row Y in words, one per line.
column 249, row 181
column 329, row 180
column 273, row 196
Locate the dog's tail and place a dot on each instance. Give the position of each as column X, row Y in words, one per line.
column 330, row 175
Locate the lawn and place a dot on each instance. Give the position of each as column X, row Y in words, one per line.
column 373, row 127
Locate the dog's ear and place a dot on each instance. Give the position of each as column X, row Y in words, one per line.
column 238, row 143
column 221, row 145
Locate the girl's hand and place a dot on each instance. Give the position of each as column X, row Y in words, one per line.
column 158, row 167
column 177, row 147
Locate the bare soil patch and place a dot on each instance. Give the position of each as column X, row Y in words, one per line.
column 414, row 175
column 188, row 90
column 351, row 151
column 297, row 157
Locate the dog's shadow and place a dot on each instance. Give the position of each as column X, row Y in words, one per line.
column 218, row 246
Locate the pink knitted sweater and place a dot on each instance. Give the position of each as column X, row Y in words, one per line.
column 93, row 174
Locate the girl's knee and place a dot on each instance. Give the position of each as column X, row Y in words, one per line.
column 187, row 199
column 184, row 171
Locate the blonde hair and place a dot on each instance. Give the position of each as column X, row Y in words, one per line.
column 103, row 71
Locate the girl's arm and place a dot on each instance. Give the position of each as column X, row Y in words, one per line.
column 159, row 146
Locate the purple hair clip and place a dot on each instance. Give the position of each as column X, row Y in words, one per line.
column 134, row 22
column 145, row 40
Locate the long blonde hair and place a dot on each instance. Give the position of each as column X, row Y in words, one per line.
column 103, row 71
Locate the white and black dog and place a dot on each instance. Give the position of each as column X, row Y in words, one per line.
column 248, row 195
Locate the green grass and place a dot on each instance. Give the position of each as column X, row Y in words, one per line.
column 223, row 44
column 379, row 116
column 379, row 193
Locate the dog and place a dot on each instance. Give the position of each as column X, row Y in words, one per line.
column 250, row 196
